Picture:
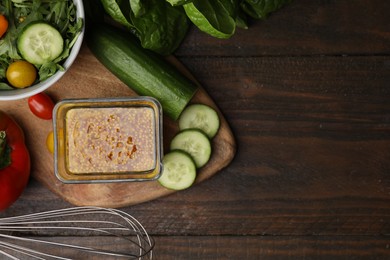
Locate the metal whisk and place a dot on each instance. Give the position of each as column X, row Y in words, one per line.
column 96, row 233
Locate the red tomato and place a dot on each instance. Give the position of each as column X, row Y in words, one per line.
column 41, row 105
column 3, row 25
column 14, row 162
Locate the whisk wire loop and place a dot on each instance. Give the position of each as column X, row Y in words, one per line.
column 109, row 225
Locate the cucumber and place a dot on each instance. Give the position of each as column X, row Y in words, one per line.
column 40, row 42
column 202, row 117
column 142, row 70
column 179, row 171
column 195, row 143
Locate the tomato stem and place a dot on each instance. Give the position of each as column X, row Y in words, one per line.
column 5, row 151
column 3, row 141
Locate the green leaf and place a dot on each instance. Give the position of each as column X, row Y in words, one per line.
column 118, row 10
column 260, row 9
column 48, row 69
column 4, row 63
column 216, row 18
column 241, row 20
column 162, row 28
column 178, row 2
column 5, row 151
column 5, row 86
column 8, row 48
column 137, row 7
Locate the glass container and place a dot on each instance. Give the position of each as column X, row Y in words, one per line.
column 107, row 140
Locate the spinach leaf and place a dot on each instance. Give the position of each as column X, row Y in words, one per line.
column 119, row 11
column 162, row 27
column 259, row 9
column 137, row 7
column 242, row 20
column 178, row 2
column 216, row 18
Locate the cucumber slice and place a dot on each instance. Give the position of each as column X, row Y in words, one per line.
column 40, row 43
column 202, row 117
column 195, row 143
column 179, row 171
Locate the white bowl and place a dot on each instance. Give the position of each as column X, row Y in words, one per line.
column 41, row 86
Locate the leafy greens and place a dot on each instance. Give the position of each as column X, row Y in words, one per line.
column 59, row 13
column 162, row 25
column 159, row 26
column 216, row 18
column 259, row 9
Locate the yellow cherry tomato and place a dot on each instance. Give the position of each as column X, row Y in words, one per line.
column 50, row 142
column 21, row 74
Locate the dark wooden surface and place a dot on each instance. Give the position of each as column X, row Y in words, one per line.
column 307, row 95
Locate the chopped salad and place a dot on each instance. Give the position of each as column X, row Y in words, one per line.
column 20, row 15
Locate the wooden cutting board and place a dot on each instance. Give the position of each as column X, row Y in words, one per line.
column 88, row 78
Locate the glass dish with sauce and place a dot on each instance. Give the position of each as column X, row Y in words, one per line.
column 108, row 140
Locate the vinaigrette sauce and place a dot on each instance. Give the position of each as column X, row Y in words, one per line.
column 110, row 140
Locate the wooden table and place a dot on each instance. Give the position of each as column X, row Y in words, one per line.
column 306, row 93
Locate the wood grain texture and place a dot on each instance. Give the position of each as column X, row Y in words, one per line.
column 289, row 247
column 290, row 175
column 95, row 81
column 246, row 248
column 238, row 247
column 306, row 94
column 304, row 28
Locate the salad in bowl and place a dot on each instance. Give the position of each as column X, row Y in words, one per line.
column 39, row 40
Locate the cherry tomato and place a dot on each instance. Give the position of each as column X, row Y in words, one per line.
column 21, row 74
column 3, row 25
column 41, row 105
column 50, row 142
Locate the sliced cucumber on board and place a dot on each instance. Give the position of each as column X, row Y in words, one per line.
column 179, row 171
column 195, row 143
column 202, row 117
